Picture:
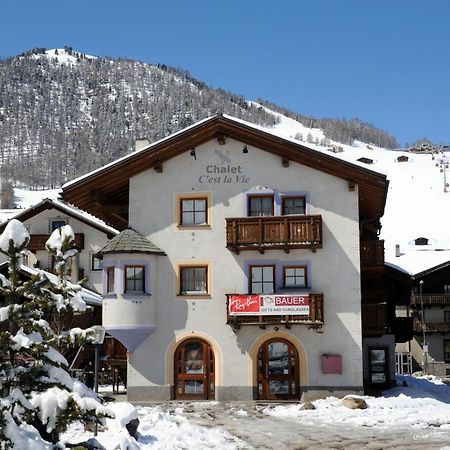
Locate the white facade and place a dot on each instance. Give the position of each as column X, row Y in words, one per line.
column 226, row 177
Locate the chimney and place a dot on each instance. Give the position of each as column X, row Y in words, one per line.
column 397, row 250
column 141, row 143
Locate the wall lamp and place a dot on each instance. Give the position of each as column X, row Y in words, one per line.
column 193, row 154
column 245, row 149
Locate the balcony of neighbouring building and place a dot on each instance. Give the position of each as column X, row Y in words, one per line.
column 431, row 327
column 37, row 241
column 275, row 309
column 372, row 253
column 274, row 233
column 430, row 300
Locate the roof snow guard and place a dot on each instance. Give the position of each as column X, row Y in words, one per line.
column 105, row 191
column 130, row 241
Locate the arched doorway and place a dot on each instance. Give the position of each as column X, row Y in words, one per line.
column 194, row 370
column 278, row 371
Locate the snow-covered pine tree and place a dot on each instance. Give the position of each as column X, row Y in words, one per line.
column 39, row 399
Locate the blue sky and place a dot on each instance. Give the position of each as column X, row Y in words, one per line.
column 386, row 62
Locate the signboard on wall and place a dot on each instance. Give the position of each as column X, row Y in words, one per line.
column 268, row 305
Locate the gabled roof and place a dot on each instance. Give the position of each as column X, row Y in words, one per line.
column 104, row 192
column 130, row 241
column 64, row 208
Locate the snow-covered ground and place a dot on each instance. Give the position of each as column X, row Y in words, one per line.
column 414, row 415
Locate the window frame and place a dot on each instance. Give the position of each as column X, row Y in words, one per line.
column 205, row 211
column 55, row 220
column 185, row 292
column 260, row 196
column 295, row 286
column 125, row 279
column 292, row 197
column 93, row 258
column 250, row 278
column 110, row 279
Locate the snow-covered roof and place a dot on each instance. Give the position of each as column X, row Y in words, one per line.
column 89, row 296
column 83, row 216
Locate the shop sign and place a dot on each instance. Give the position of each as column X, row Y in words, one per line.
column 268, row 305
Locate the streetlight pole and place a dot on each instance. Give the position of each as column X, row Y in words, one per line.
column 99, row 337
column 424, row 346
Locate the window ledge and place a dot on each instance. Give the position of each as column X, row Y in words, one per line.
column 193, row 227
column 194, row 296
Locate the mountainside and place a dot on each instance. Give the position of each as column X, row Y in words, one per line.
column 63, row 113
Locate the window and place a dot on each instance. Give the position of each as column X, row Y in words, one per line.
column 193, row 280
column 447, row 316
column 446, row 288
column 262, row 279
column 134, row 279
column 260, row 205
column 193, row 211
column 55, row 224
column 293, row 205
column 294, row 276
column 96, row 263
column 110, row 279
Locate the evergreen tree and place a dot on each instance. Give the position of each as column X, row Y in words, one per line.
column 38, row 398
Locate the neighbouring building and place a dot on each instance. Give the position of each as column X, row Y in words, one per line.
column 91, row 234
column 248, row 267
column 423, row 271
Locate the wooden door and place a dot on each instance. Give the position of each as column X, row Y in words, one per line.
column 194, row 370
column 278, row 371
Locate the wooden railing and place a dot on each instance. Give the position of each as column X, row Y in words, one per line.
column 274, row 232
column 372, row 253
column 37, row 241
column 431, row 327
column 374, row 318
column 430, row 299
column 314, row 319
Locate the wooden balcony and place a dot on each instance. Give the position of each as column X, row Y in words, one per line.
column 372, row 253
column 374, row 319
column 431, row 327
column 274, row 233
column 430, row 300
column 37, row 241
column 314, row 319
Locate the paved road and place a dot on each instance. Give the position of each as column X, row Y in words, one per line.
column 261, row 431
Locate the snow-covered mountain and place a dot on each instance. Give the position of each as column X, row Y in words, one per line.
column 64, row 113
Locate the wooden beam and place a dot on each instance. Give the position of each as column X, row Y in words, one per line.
column 158, row 166
column 221, row 138
column 351, row 186
column 284, row 161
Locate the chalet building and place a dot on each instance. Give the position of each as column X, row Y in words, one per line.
column 91, row 235
column 247, row 267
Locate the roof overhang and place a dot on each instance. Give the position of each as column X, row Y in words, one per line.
column 104, row 192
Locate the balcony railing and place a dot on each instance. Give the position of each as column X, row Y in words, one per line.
column 372, row 253
column 374, row 318
column 282, row 232
column 430, row 299
column 431, row 327
column 314, row 318
column 37, row 241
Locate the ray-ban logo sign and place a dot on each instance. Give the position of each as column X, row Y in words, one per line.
column 266, row 305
